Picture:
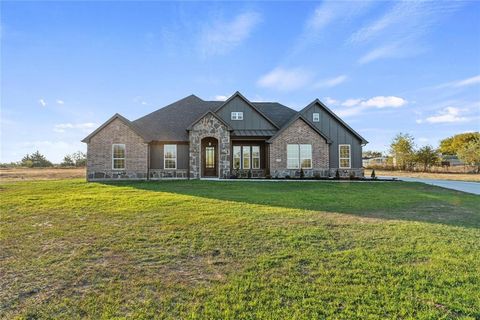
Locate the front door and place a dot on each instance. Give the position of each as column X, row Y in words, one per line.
column 209, row 157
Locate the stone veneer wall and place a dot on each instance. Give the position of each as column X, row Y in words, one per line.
column 99, row 153
column 209, row 126
column 299, row 133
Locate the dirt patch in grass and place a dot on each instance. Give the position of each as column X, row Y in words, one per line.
column 19, row 174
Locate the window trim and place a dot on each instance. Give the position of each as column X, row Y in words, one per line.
column 236, row 115
column 249, row 158
column 124, row 156
column 164, row 158
column 318, row 116
column 340, row 158
column 300, row 155
column 252, row 164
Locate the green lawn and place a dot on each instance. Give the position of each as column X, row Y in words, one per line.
column 238, row 250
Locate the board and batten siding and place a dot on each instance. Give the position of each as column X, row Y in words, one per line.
column 338, row 133
column 156, row 155
column 252, row 120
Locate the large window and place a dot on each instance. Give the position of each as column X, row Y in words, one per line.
column 237, row 157
column 246, row 157
column 299, row 156
column 170, row 156
column 255, row 157
column 344, row 156
column 118, row 156
column 316, row 117
column 236, row 115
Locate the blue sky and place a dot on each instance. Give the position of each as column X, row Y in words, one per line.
column 384, row 67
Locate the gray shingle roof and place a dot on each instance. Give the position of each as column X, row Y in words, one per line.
column 170, row 123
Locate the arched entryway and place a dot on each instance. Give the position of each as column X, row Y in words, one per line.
column 209, row 157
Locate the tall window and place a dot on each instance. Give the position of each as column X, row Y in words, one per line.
column 118, row 156
column 237, row 157
column 170, row 156
column 255, row 157
column 316, row 117
column 236, row 115
column 344, row 156
column 299, row 156
column 246, row 157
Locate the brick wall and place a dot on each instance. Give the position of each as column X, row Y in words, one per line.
column 298, row 133
column 99, row 153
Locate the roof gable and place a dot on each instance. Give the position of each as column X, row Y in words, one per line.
column 190, row 127
column 301, row 117
column 322, row 106
column 256, row 110
column 144, row 135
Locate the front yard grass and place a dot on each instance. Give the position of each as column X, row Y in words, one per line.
column 238, row 250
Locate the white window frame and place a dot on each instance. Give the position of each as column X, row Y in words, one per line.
column 236, row 115
column 251, row 153
column 164, row 158
column 316, row 117
column 239, row 158
column 340, row 158
column 249, row 157
column 298, row 157
column 124, row 156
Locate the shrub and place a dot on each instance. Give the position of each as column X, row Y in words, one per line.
column 373, row 176
column 317, row 176
column 249, row 174
column 352, row 175
column 302, row 174
column 337, row 174
column 287, row 177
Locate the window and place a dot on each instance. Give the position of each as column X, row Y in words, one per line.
column 237, row 115
column 255, row 157
column 237, row 156
column 344, row 156
column 246, row 157
column 299, row 156
column 170, row 156
column 118, row 156
column 316, row 117
column 306, row 156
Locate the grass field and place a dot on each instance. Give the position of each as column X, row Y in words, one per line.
column 473, row 177
column 238, row 250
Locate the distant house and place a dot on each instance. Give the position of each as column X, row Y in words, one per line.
column 377, row 161
column 194, row 138
column 451, row 160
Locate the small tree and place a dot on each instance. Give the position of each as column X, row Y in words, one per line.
column 79, row 158
column 67, row 161
column 337, row 174
column 373, row 175
column 470, row 153
column 427, row 157
column 35, row 160
column 302, row 173
column 402, row 150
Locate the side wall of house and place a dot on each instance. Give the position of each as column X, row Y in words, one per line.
column 157, row 170
column 338, row 133
column 299, row 133
column 99, row 153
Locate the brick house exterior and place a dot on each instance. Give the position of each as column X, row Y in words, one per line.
column 193, row 138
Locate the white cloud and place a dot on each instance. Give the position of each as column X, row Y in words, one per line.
column 460, row 83
column 42, row 102
column 332, row 82
column 398, row 32
column 285, row 79
column 356, row 106
column 220, row 37
column 330, row 101
column 220, row 98
column 60, row 101
column 85, row 127
column 447, row 115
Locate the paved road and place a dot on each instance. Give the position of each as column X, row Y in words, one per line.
column 465, row 186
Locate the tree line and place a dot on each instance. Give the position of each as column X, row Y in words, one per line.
column 38, row 160
column 404, row 154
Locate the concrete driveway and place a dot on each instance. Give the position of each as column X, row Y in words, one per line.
column 465, row 186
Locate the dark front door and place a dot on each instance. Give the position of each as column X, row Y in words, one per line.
column 209, row 157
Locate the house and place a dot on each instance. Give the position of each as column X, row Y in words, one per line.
column 194, row 138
